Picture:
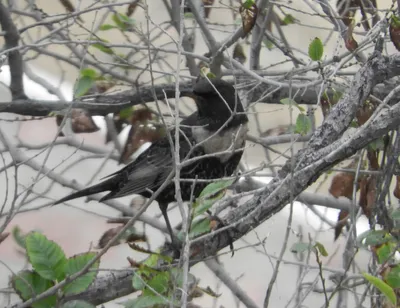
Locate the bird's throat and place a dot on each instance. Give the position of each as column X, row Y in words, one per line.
column 223, row 143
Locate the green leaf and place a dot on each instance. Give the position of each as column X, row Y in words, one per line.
column 146, row 269
column 177, row 277
column 210, row 194
column 290, row 102
column 76, row 264
column 213, row 189
column 303, row 124
column 248, row 4
column 393, row 277
column 46, row 257
column 376, row 237
column 289, row 19
column 19, row 237
column 138, row 282
column 145, row 301
column 89, row 72
column 159, row 283
column 395, row 215
column 383, row 287
column 188, row 15
column 384, row 252
column 123, row 22
column 316, row 49
column 267, row 43
column 125, row 113
column 82, row 85
column 321, row 249
column 29, row 284
column 377, row 144
column 78, row 304
column 199, row 227
column 103, row 48
column 106, row 27
column 300, row 247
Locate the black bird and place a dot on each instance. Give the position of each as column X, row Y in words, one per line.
column 219, row 125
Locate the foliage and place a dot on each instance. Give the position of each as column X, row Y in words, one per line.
column 50, row 266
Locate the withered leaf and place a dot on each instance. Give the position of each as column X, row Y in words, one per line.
column 142, row 131
column 394, row 30
column 396, row 191
column 346, row 10
column 350, row 43
column 69, row 7
column 341, row 222
column 342, row 185
column 3, row 236
column 373, row 160
column 81, row 121
column 104, row 85
column 128, row 237
column 365, row 111
column 131, row 8
column 367, row 194
column 248, row 11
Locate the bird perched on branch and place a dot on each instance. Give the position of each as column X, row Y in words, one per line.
column 212, row 139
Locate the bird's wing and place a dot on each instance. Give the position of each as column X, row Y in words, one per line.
column 149, row 171
column 152, row 167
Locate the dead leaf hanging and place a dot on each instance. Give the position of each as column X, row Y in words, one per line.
column 131, row 8
column 81, row 121
column 142, row 131
column 248, row 11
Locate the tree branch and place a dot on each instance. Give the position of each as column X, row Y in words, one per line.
column 14, row 57
column 105, row 104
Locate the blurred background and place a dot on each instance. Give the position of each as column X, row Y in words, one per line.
column 78, row 226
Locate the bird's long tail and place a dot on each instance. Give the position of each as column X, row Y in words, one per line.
column 106, row 185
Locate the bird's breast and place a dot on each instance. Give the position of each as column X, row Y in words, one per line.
column 228, row 140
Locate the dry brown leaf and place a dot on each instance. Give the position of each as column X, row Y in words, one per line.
column 69, row 7
column 104, row 85
column 342, row 185
column 365, row 112
column 248, row 12
column 350, row 43
column 394, row 30
column 346, row 10
column 3, row 236
column 108, row 235
column 141, row 131
column 276, row 131
column 128, row 237
column 341, row 222
column 131, row 8
column 367, row 194
column 373, row 160
column 396, row 191
column 326, row 106
column 81, row 121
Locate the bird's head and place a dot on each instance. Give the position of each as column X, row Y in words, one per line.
column 217, row 102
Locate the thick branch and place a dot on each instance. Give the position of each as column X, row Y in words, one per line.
column 105, row 104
